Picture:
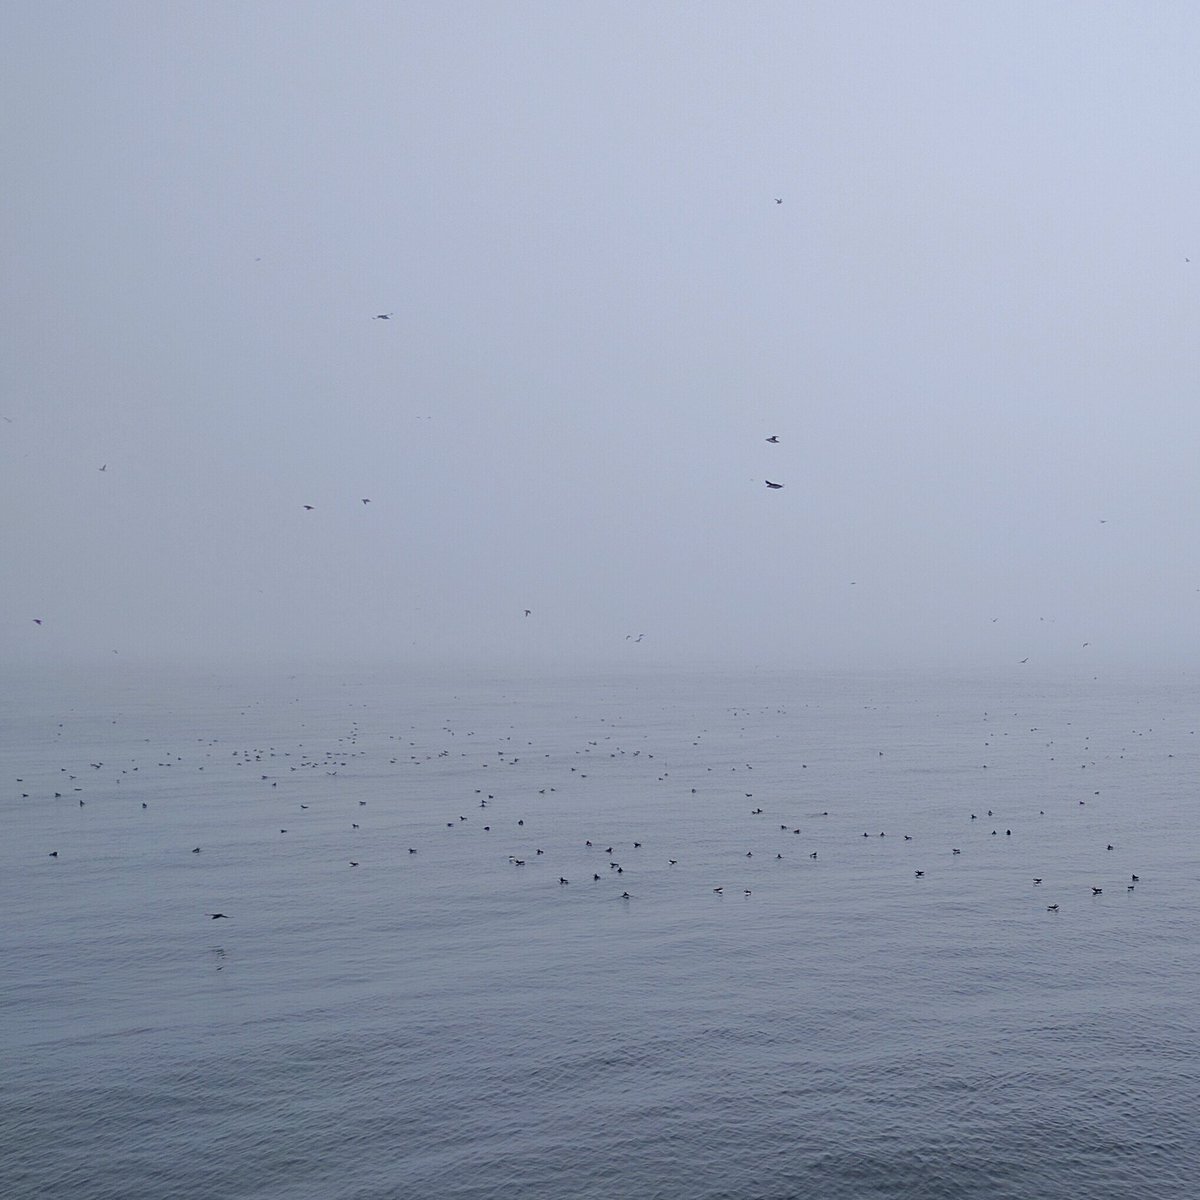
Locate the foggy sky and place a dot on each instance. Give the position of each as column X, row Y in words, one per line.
column 971, row 324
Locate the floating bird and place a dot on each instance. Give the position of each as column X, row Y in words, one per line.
column 1052, row 908
column 773, row 486
column 308, row 508
column 52, row 854
column 773, row 439
column 382, row 317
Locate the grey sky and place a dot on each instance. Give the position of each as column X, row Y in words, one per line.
column 970, row 323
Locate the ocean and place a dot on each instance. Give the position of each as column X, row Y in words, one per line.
column 678, row 935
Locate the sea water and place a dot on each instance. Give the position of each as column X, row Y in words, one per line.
column 784, row 982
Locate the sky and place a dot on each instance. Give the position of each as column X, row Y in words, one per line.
column 971, row 323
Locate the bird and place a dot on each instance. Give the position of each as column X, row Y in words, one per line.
column 37, row 620
column 52, row 854
column 354, row 864
column 217, row 916
column 1052, row 908
column 1097, row 891
column 1037, row 881
column 773, row 486
column 382, row 317
column 366, row 500
column 773, row 439
column 1024, row 660
column 308, row 508
column 529, row 612
column 779, row 200
column 920, row 874
column 103, row 468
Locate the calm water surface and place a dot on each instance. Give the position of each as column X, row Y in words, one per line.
column 447, row 1023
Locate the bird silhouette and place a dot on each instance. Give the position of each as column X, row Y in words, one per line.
column 774, row 486
column 773, row 439
column 382, row 317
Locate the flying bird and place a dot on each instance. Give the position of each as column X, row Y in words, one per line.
column 366, row 500
column 308, row 508
column 773, row 440
column 104, row 468
column 217, row 916
column 529, row 612
column 382, row 317
column 37, row 620
column 775, row 486
column 778, row 200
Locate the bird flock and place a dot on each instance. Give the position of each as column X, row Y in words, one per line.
column 539, row 813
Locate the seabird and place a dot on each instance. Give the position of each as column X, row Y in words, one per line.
column 1052, row 908
column 217, row 916
column 773, row 439
column 382, row 317
column 775, row 486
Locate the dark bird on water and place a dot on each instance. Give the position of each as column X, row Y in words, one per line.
column 1052, row 908
column 773, row 486
column 217, row 916
column 773, row 439
column 308, row 508
column 382, row 317
column 53, row 854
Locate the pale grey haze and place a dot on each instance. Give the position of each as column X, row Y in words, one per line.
column 972, row 325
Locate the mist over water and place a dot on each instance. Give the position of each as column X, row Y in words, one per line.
column 448, row 1023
